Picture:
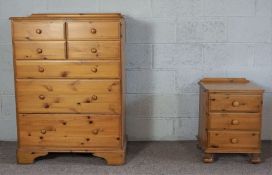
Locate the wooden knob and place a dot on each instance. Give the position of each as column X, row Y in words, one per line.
column 234, row 140
column 94, row 97
column 41, row 69
column 93, row 30
column 94, row 69
column 93, row 50
column 235, row 103
column 95, row 131
column 38, row 31
column 39, row 50
column 42, row 97
column 235, row 122
column 43, row 131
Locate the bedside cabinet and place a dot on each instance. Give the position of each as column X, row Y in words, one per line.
column 230, row 117
column 69, row 78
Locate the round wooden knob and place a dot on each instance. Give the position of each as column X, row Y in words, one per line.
column 94, row 97
column 42, row 97
column 95, row 131
column 234, row 140
column 235, row 122
column 38, row 31
column 43, row 131
column 93, row 30
column 93, row 50
column 235, row 103
column 39, row 50
column 41, row 69
column 94, row 69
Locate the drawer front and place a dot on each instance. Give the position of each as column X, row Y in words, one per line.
column 94, row 49
column 69, row 130
column 39, row 49
column 35, row 30
column 52, row 87
column 67, row 69
column 88, row 30
column 88, row 103
column 235, row 103
column 233, row 139
column 235, row 121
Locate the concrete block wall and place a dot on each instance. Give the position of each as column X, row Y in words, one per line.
column 171, row 44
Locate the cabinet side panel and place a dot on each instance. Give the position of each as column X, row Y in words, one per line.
column 203, row 107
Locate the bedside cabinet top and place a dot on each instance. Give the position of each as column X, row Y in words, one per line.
column 229, row 85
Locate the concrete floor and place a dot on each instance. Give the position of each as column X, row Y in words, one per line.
column 143, row 158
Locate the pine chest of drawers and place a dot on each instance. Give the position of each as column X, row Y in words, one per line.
column 230, row 117
column 69, row 78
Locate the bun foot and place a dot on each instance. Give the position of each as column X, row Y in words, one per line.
column 208, row 158
column 255, row 158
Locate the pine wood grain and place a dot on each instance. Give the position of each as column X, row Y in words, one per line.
column 38, row 30
column 42, row 50
column 90, row 30
column 94, row 49
column 68, row 69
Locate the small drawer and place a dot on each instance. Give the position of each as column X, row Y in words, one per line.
column 235, row 103
column 94, row 50
column 39, row 50
column 69, row 130
column 233, row 139
column 35, row 30
column 93, row 30
column 234, row 121
column 67, row 69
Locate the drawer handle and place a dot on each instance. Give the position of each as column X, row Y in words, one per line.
column 93, row 30
column 38, row 31
column 42, row 97
column 93, row 50
column 94, row 97
column 41, row 69
column 234, row 140
column 235, row 122
column 95, row 131
column 94, row 69
column 39, row 50
column 235, row 103
column 43, row 131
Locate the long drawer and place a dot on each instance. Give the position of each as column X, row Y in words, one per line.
column 234, row 121
column 93, row 50
column 39, row 50
column 67, row 69
column 235, row 103
column 92, row 30
column 233, row 139
column 85, row 103
column 52, row 87
column 69, row 130
column 38, row 30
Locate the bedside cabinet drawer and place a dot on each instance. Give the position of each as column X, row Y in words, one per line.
column 235, row 103
column 234, row 121
column 89, row 30
column 39, row 50
column 233, row 139
column 69, row 130
column 38, row 30
column 67, row 69
column 94, row 49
